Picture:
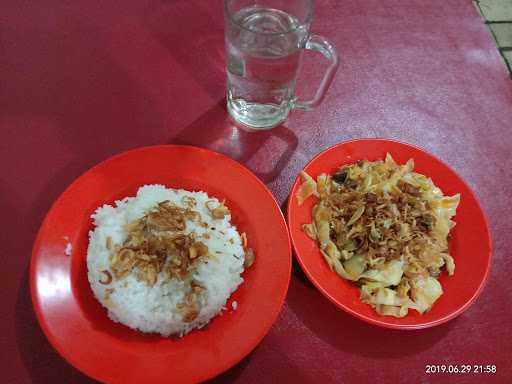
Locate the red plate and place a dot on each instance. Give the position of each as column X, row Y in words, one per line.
column 78, row 326
column 470, row 244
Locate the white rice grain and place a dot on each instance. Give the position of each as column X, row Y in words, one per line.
column 153, row 309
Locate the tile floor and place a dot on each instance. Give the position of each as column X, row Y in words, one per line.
column 498, row 16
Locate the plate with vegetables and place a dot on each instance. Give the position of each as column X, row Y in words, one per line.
column 389, row 233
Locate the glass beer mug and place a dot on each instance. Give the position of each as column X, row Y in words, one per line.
column 264, row 41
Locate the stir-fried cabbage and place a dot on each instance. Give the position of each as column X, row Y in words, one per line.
column 390, row 273
column 385, row 227
column 425, row 290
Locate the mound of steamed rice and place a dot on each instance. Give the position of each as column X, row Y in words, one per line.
column 154, row 309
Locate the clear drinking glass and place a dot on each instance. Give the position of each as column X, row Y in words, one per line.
column 264, row 42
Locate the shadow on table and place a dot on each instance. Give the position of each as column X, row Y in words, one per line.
column 296, row 268
column 215, row 130
column 232, row 374
column 333, row 326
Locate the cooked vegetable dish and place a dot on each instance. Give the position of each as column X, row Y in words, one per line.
column 385, row 228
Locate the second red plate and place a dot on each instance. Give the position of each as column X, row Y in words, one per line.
column 470, row 243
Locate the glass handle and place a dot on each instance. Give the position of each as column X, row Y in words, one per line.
column 322, row 45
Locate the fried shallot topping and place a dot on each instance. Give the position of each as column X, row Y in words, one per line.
column 107, row 278
column 218, row 212
column 155, row 244
column 190, row 308
column 249, row 257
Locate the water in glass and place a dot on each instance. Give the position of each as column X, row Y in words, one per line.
column 263, row 56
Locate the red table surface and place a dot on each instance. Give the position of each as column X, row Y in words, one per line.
column 83, row 80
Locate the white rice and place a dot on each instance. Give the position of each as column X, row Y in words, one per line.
column 153, row 309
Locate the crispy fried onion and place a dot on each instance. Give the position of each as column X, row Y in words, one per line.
column 106, row 279
column 217, row 211
column 249, row 255
column 190, row 307
column 189, row 201
column 155, row 244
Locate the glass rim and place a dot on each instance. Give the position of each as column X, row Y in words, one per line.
column 307, row 20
